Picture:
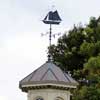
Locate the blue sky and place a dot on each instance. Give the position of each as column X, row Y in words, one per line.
column 22, row 49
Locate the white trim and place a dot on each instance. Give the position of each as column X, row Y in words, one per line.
column 33, row 85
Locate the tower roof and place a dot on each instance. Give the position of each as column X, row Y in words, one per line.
column 47, row 74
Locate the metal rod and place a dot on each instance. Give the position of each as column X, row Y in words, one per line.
column 49, row 56
column 50, row 35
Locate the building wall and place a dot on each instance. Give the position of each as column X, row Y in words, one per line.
column 49, row 94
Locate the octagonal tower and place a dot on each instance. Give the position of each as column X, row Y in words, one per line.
column 48, row 82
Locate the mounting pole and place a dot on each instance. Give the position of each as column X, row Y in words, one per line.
column 50, row 35
column 49, row 55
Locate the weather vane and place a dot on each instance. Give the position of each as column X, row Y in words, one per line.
column 52, row 18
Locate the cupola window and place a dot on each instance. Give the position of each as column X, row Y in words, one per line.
column 39, row 98
column 59, row 98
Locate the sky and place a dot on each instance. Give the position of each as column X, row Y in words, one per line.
column 22, row 49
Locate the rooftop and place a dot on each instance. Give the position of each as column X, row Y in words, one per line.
column 48, row 74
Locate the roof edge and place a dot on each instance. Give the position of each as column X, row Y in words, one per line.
column 26, row 88
column 70, row 85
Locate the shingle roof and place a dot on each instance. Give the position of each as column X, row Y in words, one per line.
column 46, row 74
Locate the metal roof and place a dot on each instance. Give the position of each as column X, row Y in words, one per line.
column 46, row 74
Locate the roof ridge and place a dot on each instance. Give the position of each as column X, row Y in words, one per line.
column 27, row 76
column 54, row 75
column 44, row 75
column 49, row 69
column 65, row 74
column 32, row 73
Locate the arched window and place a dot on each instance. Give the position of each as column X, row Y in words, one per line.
column 59, row 98
column 39, row 98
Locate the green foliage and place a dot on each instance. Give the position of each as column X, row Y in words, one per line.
column 88, row 49
column 93, row 30
column 79, row 52
column 66, row 52
column 87, row 93
column 93, row 64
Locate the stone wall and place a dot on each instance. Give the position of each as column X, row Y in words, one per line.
column 48, row 94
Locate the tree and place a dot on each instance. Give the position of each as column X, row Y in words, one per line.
column 87, row 93
column 91, row 90
column 79, row 52
column 66, row 52
column 90, row 49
